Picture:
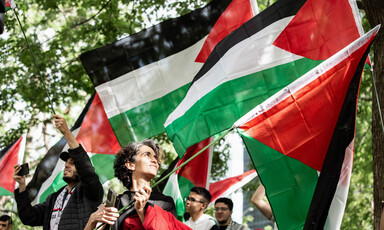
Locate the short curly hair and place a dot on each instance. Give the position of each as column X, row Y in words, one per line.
column 128, row 154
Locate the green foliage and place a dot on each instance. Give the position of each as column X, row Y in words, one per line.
column 8, row 207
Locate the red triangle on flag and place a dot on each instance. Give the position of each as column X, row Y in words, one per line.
column 301, row 125
column 197, row 170
column 8, row 160
column 320, row 29
column 96, row 134
column 226, row 186
column 236, row 14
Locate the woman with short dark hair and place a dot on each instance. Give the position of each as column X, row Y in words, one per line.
column 135, row 166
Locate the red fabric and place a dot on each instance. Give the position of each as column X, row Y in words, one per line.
column 6, row 166
column 236, row 14
column 133, row 222
column 320, row 29
column 156, row 218
column 216, row 189
column 297, row 128
column 96, row 133
column 197, row 177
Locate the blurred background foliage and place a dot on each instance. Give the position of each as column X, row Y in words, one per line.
column 59, row 31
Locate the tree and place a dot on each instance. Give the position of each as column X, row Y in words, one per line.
column 374, row 10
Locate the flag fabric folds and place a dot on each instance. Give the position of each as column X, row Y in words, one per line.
column 261, row 57
column 11, row 155
column 142, row 78
column 95, row 134
column 301, row 140
column 229, row 185
column 195, row 173
column 9, row 4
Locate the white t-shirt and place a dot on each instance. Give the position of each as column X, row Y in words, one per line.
column 205, row 222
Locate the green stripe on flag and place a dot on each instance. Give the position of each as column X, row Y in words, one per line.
column 289, row 183
column 185, row 186
column 4, row 192
column 54, row 187
column 103, row 164
column 146, row 120
column 233, row 99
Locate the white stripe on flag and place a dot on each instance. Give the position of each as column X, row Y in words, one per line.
column 339, row 201
column 150, row 82
column 307, row 78
column 235, row 187
column 252, row 55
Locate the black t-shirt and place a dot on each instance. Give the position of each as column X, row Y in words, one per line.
column 223, row 227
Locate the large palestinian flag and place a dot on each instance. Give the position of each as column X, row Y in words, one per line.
column 94, row 133
column 11, row 155
column 257, row 60
column 195, row 173
column 301, row 141
column 142, row 78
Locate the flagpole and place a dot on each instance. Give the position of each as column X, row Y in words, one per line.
column 377, row 99
column 177, row 168
column 35, row 62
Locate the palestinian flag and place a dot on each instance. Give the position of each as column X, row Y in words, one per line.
column 257, row 60
column 9, row 4
column 142, row 78
column 11, row 155
column 194, row 174
column 94, row 133
column 229, row 185
column 301, row 140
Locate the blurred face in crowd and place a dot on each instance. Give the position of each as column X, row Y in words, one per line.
column 222, row 213
column 4, row 225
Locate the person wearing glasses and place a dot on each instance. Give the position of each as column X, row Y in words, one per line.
column 223, row 213
column 196, row 203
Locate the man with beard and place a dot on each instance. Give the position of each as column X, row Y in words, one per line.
column 5, row 222
column 223, row 213
column 71, row 206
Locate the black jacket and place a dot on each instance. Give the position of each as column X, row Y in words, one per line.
column 165, row 202
column 84, row 200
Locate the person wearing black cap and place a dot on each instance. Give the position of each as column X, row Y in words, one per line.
column 71, row 206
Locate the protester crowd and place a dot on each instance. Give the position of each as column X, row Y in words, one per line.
column 78, row 205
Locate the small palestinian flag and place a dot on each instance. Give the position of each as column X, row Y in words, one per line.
column 9, row 4
column 301, row 140
column 11, row 155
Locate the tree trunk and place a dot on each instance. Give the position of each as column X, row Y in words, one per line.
column 375, row 13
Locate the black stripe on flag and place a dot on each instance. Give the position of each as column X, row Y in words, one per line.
column 152, row 44
column 4, row 151
column 47, row 164
column 343, row 135
column 277, row 11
